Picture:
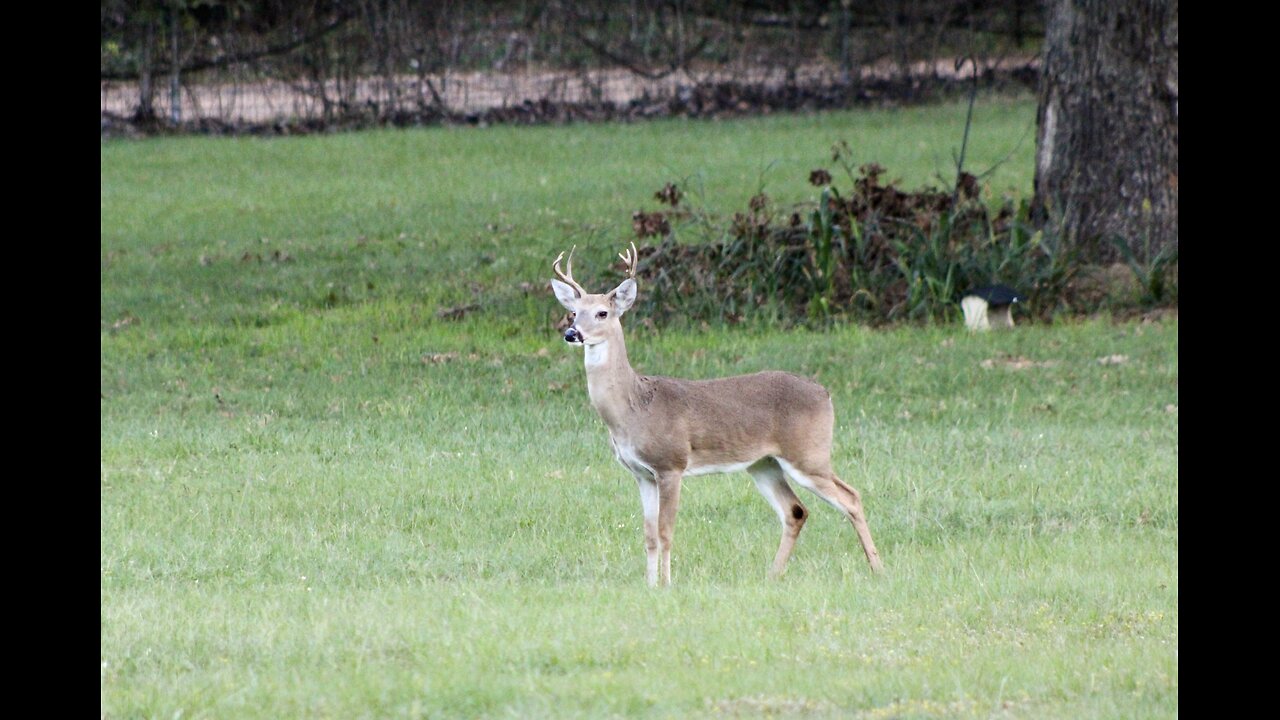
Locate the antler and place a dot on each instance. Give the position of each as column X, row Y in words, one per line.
column 631, row 258
column 568, row 277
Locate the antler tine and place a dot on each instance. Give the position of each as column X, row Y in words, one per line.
column 567, row 277
column 631, row 258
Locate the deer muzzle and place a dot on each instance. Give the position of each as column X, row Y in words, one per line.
column 571, row 335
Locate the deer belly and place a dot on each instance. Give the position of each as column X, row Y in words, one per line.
column 711, row 468
column 720, row 458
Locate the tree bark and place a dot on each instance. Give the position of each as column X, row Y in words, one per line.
column 1107, row 125
column 175, row 82
column 146, row 93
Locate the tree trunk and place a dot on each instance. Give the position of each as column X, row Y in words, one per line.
column 146, row 92
column 845, row 28
column 175, row 68
column 1107, row 126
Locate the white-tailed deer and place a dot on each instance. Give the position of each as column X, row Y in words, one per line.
column 775, row 425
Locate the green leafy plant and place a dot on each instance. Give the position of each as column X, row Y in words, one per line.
column 1156, row 274
column 824, row 236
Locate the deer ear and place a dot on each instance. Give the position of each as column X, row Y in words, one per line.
column 623, row 296
column 565, row 294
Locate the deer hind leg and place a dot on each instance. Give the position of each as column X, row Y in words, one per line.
column 668, row 506
column 825, row 484
column 649, row 503
column 772, row 484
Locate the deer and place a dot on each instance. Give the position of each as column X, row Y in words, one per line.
column 775, row 425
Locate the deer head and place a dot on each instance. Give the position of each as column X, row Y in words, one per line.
column 593, row 319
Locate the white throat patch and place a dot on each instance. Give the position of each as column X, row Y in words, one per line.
column 597, row 354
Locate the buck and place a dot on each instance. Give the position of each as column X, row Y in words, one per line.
column 775, row 425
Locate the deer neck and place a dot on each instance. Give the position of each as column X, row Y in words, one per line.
column 610, row 380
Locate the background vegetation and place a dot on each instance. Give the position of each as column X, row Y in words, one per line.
column 273, row 66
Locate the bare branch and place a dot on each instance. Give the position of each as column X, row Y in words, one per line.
column 617, row 59
column 226, row 60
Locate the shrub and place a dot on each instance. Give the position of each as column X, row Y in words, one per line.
column 877, row 255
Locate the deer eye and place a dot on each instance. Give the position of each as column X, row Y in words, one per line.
column 573, row 315
column 602, row 314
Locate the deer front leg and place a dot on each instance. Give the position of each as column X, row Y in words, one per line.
column 668, row 505
column 649, row 503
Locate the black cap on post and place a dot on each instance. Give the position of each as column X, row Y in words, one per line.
column 989, row 307
column 996, row 295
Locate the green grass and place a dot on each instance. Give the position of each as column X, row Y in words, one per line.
column 320, row 500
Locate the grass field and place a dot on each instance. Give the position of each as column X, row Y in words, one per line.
column 319, row 499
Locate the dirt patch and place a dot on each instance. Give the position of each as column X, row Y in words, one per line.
column 1015, row 362
column 278, row 108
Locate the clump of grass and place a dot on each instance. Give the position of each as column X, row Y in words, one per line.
column 1157, row 275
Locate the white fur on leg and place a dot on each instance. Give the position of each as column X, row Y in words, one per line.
column 649, row 504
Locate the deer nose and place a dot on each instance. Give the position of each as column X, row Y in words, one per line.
column 572, row 335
